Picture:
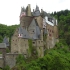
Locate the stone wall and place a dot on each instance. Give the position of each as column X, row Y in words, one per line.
column 1, row 62
column 10, row 59
column 40, row 21
column 52, row 36
column 25, row 21
column 14, row 42
column 23, row 46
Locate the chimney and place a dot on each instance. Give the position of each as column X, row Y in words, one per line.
column 41, row 10
column 29, row 10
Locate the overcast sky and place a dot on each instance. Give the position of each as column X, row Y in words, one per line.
column 10, row 9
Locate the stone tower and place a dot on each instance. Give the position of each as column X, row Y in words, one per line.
column 28, row 10
column 24, row 17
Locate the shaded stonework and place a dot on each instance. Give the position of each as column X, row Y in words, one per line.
column 10, row 60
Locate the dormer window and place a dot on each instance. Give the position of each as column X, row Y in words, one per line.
column 33, row 31
column 20, row 34
column 22, row 26
column 50, row 30
column 24, row 35
column 49, row 34
column 50, row 19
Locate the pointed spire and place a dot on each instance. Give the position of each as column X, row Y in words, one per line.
column 6, row 41
column 36, row 12
column 23, row 9
column 37, row 8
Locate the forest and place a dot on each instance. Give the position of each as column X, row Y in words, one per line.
column 57, row 58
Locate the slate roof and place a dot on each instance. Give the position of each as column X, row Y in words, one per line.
column 37, row 33
column 5, row 40
column 34, row 21
column 36, row 12
column 23, row 9
column 2, row 45
column 36, row 29
column 23, row 32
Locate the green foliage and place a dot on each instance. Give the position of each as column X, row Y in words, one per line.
column 56, row 64
column 6, row 31
column 20, row 62
column 30, row 46
column 63, row 24
column 57, row 58
column 6, row 68
column 0, row 52
column 32, row 66
column 45, row 37
column 7, row 50
column 20, row 59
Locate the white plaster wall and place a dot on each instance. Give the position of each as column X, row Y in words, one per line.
column 49, row 21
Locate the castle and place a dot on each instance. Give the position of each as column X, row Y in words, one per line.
column 39, row 27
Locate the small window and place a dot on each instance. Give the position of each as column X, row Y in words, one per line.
column 33, row 42
column 39, row 41
column 24, row 35
column 39, row 47
column 50, row 30
column 22, row 26
column 49, row 34
column 33, row 31
column 20, row 34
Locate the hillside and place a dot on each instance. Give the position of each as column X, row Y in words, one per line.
column 6, row 31
column 57, row 58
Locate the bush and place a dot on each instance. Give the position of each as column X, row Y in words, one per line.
column 6, row 68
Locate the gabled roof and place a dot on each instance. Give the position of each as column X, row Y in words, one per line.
column 37, row 33
column 23, row 32
column 36, row 12
column 37, row 8
column 2, row 45
column 5, row 40
column 36, row 28
column 34, row 21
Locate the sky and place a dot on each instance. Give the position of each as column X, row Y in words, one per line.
column 10, row 9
